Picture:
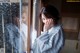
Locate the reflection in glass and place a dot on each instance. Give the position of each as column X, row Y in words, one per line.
column 24, row 23
column 11, row 37
column 13, row 26
column 1, row 33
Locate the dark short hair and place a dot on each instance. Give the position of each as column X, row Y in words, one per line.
column 15, row 10
column 10, row 11
column 51, row 12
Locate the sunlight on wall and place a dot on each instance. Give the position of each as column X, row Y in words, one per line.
column 72, row 0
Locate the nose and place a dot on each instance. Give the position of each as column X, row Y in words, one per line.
column 44, row 21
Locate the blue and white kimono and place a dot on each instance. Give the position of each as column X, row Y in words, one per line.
column 50, row 41
column 13, row 39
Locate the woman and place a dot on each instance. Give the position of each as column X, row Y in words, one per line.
column 51, row 40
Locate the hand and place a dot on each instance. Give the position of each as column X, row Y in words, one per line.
column 48, row 24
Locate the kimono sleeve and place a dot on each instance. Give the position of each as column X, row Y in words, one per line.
column 6, row 39
column 54, row 42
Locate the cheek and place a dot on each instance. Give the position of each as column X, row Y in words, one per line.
column 44, row 21
column 23, row 20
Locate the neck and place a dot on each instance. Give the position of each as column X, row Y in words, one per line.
column 51, row 25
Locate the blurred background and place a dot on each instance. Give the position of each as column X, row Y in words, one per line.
column 29, row 15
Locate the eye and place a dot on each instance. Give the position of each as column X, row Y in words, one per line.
column 43, row 18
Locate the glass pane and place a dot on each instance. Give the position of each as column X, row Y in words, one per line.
column 1, row 32
column 12, row 27
column 11, row 34
column 24, row 23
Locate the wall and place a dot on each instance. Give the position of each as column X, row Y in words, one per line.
column 70, row 47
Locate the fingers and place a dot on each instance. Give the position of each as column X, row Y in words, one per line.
column 48, row 22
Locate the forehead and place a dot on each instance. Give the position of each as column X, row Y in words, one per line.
column 43, row 16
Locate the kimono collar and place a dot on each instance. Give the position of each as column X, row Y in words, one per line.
column 51, row 29
column 54, row 29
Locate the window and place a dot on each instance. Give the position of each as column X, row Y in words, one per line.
column 72, row 0
column 19, row 21
column 13, row 29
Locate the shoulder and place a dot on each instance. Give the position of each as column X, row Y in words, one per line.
column 56, row 30
column 9, row 25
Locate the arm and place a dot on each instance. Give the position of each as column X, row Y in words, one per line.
column 59, row 41
column 8, row 45
column 57, row 38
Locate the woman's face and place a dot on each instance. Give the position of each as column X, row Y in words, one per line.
column 46, row 20
column 24, row 18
